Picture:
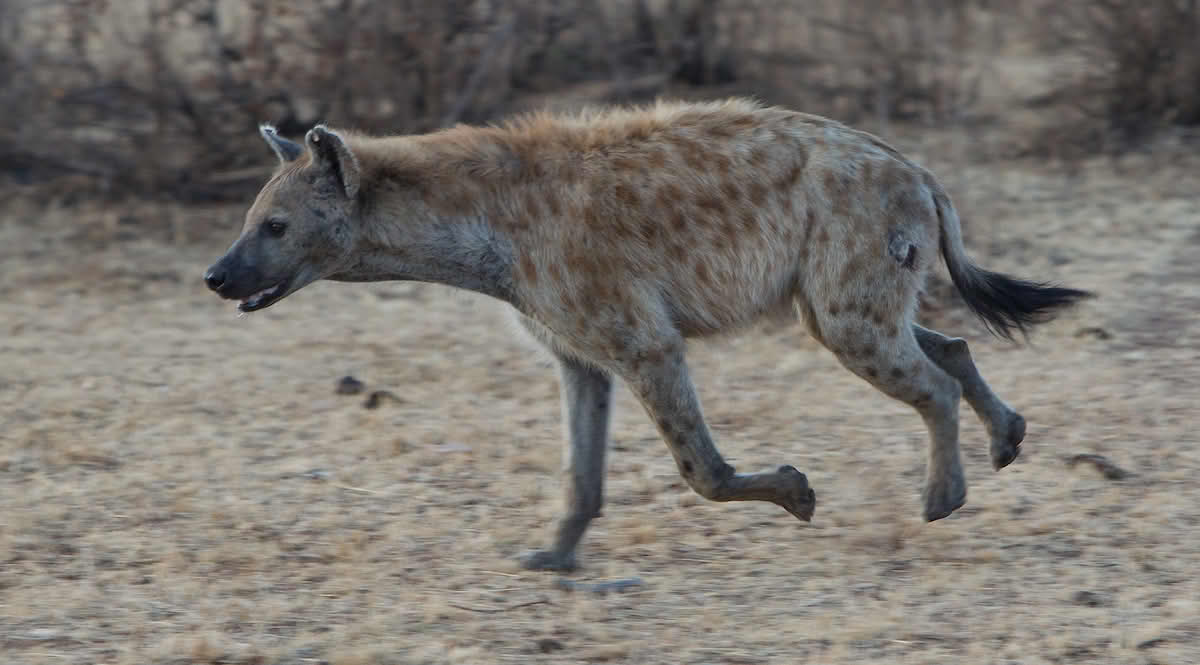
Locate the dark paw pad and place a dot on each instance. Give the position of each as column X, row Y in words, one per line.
column 547, row 560
column 796, row 497
column 1007, row 447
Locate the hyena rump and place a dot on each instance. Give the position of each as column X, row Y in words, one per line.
column 618, row 234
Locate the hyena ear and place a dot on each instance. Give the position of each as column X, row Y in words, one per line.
column 330, row 152
column 286, row 150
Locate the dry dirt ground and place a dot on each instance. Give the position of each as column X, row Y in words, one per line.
column 178, row 485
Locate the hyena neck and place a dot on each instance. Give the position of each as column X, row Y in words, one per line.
column 465, row 253
column 407, row 238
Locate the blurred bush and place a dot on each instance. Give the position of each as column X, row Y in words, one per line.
column 1135, row 69
column 161, row 98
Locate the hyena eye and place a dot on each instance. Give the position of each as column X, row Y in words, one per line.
column 275, row 227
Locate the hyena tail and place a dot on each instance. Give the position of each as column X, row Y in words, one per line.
column 1001, row 301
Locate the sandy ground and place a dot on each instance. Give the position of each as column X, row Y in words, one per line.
column 183, row 486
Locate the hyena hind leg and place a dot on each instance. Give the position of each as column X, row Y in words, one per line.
column 1006, row 428
column 896, row 366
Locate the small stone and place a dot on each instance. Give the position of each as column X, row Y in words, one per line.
column 348, row 385
column 1089, row 599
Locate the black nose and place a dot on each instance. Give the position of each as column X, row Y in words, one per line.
column 214, row 278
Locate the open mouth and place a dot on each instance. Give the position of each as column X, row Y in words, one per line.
column 264, row 298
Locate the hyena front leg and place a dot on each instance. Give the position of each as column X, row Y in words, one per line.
column 660, row 380
column 1006, row 427
column 587, row 405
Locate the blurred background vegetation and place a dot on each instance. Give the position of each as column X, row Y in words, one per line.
column 160, row 99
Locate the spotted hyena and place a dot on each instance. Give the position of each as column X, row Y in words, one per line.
column 615, row 235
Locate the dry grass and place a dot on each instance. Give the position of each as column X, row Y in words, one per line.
column 182, row 486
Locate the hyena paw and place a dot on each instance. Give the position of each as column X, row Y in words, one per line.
column 1006, row 445
column 796, row 496
column 944, row 496
column 548, row 560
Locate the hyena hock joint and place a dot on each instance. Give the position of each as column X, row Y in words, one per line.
column 616, row 235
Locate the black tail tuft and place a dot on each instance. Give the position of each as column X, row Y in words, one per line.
column 1006, row 303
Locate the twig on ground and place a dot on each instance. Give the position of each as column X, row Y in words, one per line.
column 1102, row 463
column 598, row 587
column 497, row 610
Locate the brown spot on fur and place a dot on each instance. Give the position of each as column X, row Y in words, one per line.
column 877, row 318
column 656, row 159
column 758, row 193
column 838, row 192
column 785, row 201
column 823, row 237
column 651, row 229
column 529, row 270
column 555, row 205
column 712, row 204
column 693, row 154
column 725, row 239
column 759, row 156
column 626, row 195
column 669, row 195
column 892, row 330
column 853, row 268
column 731, row 191
column 556, row 272
column 721, row 162
column 790, row 177
column 722, row 130
column 702, row 274
column 679, row 220
column 592, row 218
column 866, row 173
column 897, row 373
column 833, row 309
column 626, row 164
column 749, row 220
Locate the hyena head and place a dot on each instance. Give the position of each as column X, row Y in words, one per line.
column 299, row 229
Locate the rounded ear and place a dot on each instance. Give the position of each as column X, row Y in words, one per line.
column 330, row 152
column 286, row 150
